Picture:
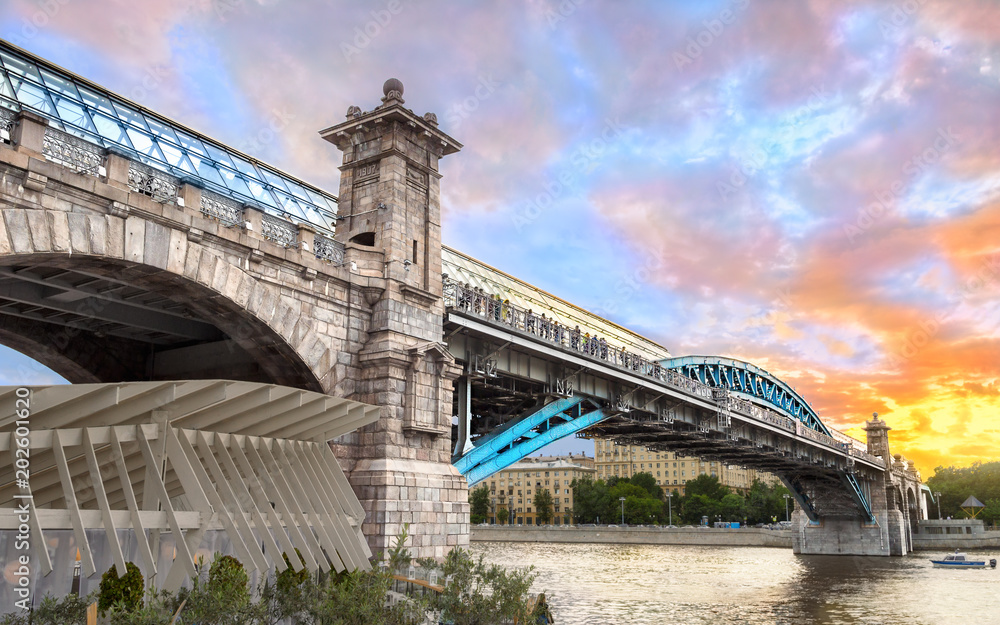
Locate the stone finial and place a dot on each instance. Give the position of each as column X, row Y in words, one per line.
column 431, row 119
column 393, row 90
column 353, row 111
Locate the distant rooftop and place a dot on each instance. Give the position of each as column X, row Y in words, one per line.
column 91, row 112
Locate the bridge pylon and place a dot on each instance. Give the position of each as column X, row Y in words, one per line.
column 887, row 532
column 389, row 220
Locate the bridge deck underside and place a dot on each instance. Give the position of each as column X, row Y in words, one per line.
column 818, row 484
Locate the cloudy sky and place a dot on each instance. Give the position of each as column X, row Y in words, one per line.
column 811, row 186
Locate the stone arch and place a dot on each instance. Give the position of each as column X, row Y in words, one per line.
column 253, row 318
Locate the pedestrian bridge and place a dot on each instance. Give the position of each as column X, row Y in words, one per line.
column 538, row 369
column 135, row 249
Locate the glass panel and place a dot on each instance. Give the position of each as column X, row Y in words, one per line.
column 143, row 144
column 244, row 166
column 161, row 130
column 206, row 169
column 35, row 97
column 259, row 193
column 322, row 201
column 235, row 182
column 73, row 113
column 274, row 179
column 112, row 130
column 175, row 157
column 59, row 85
column 131, row 116
column 20, row 67
column 289, row 205
column 5, row 89
column 97, row 101
column 190, row 144
column 219, row 156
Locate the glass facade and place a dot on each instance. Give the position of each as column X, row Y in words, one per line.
column 90, row 112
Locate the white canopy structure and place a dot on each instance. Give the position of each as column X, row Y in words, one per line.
column 143, row 463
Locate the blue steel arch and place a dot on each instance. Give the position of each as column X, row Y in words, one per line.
column 750, row 381
column 564, row 417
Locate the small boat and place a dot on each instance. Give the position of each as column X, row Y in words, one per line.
column 959, row 560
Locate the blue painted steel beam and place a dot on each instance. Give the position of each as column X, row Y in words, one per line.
column 858, row 495
column 805, row 503
column 747, row 378
column 523, row 449
column 503, row 437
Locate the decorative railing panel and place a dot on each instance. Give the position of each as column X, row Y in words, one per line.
column 229, row 212
column 8, row 119
column 326, row 248
column 73, row 152
column 152, row 182
column 278, row 230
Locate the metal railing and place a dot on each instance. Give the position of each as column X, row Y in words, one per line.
column 152, row 182
column 227, row 211
column 278, row 230
column 326, row 248
column 8, row 119
column 73, row 152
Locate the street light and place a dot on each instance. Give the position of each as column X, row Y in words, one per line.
column 786, row 507
column 937, row 498
column 622, row 499
column 670, row 510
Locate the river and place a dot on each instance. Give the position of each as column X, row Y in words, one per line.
column 655, row 584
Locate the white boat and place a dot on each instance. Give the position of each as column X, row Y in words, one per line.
column 959, row 560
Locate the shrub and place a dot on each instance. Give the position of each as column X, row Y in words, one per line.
column 126, row 590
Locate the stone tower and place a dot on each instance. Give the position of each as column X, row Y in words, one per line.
column 390, row 222
column 877, row 435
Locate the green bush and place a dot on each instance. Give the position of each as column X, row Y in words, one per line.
column 224, row 599
column 126, row 590
column 70, row 610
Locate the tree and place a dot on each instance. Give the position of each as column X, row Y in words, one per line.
column 731, row 507
column 503, row 514
column 543, row 506
column 708, row 485
column 648, row 482
column 479, row 504
column 591, row 500
column 981, row 480
column 696, row 506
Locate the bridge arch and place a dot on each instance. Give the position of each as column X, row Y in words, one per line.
column 749, row 381
column 101, row 298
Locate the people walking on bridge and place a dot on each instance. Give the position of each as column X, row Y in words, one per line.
column 529, row 322
column 574, row 338
column 505, row 311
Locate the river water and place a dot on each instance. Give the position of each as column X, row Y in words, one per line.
column 683, row 585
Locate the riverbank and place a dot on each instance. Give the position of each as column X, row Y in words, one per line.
column 750, row 537
column 938, row 542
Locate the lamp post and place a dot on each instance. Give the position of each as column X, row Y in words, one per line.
column 670, row 510
column 786, row 496
column 937, row 498
column 622, row 499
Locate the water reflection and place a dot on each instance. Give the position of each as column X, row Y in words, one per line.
column 635, row 584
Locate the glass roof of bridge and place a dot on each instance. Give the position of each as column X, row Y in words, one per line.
column 466, row 269
column 86, row 110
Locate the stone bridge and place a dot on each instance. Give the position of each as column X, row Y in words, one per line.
column 113, row 270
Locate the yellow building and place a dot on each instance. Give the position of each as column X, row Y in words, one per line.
column 670, row 470
column 514, row 488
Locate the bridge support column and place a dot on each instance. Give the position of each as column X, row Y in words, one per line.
column 463, row 442
column 389, row 214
